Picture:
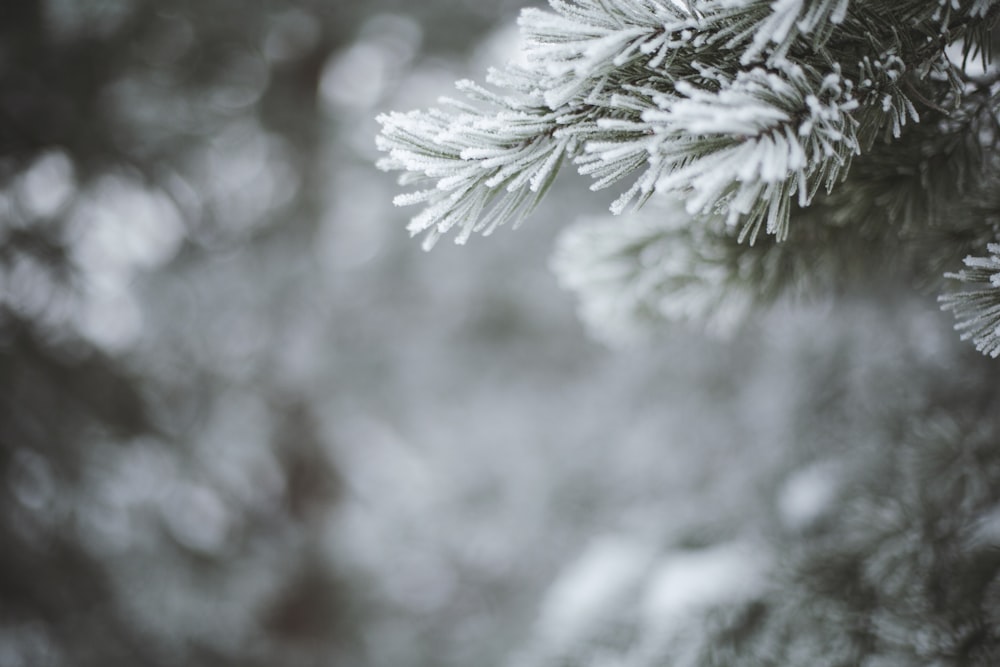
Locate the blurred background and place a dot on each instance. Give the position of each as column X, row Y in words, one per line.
column 244, row 420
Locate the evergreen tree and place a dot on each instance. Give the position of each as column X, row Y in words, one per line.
column 778, row 148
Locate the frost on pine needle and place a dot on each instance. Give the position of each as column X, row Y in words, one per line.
column 748, row 111
column 790, row 19
column 479, row 170
column 747, row 149
column 978, row 309
column 743, row 106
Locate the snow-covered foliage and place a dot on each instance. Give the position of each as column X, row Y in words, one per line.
column 978, row 309
column 748, row 111
column 704, row 98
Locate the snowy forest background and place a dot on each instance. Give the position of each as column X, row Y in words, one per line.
column 244, row 420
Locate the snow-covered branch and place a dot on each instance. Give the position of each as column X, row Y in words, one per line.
column 978, row 309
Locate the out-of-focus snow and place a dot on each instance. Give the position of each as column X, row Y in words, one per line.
column 807, row 494
column 592, row 589
column 686, row 582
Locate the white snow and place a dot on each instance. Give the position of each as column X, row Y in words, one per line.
column 807, row 494
column 587, row 591
column 686, row 581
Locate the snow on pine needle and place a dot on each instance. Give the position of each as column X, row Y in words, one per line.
column 485, row 167
column 489, row 160
column 738, row 105
column 581, row 48
column 790, row 19
column 978, row 309
column 744, row 146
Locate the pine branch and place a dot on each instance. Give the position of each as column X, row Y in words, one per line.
column 907, row 211
column 743, row 107
column 485, row 168
column 747, row 149
column 978, row 309
column 748, row 111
